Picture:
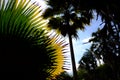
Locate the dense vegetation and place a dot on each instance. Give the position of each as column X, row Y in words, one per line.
column 28, row 51
column 71, row 15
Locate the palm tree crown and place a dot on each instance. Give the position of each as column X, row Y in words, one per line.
column 65, row 17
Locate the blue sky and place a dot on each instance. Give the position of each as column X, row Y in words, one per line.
column 84, row 36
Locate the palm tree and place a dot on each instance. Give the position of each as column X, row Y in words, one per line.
column 65, row 18
column 26, row 50
column 64, row 11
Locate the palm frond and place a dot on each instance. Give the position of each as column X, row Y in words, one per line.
column 25, row 44
column 61, row 47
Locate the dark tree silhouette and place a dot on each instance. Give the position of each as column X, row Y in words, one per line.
column 66, row 14
column 67, row 19
column 88, row 61
column 106, row 41
column 105, row 46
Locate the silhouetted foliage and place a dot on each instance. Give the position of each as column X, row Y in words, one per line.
column 69, row 15
column 88, row 61
column 63, row 76
column 106, row 42
column 67, row 19
column 105, row 47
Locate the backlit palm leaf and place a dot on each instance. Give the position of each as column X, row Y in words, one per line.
column 25, row 48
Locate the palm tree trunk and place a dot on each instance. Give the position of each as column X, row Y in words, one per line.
column 72, row 58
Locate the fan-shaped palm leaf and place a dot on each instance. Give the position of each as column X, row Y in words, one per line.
column 25, row 46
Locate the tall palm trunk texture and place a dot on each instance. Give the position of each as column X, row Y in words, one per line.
column 72, row 58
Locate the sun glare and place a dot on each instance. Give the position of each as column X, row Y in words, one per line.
column 40, row 3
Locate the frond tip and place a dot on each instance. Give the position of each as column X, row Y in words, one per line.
column 60, row 46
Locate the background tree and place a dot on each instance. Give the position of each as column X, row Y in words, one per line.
column 67, row 19
column 105, row 46
column 26, row 50
column 64, row 13
column 87, row 66
column 63, row 76
column 88, row 61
